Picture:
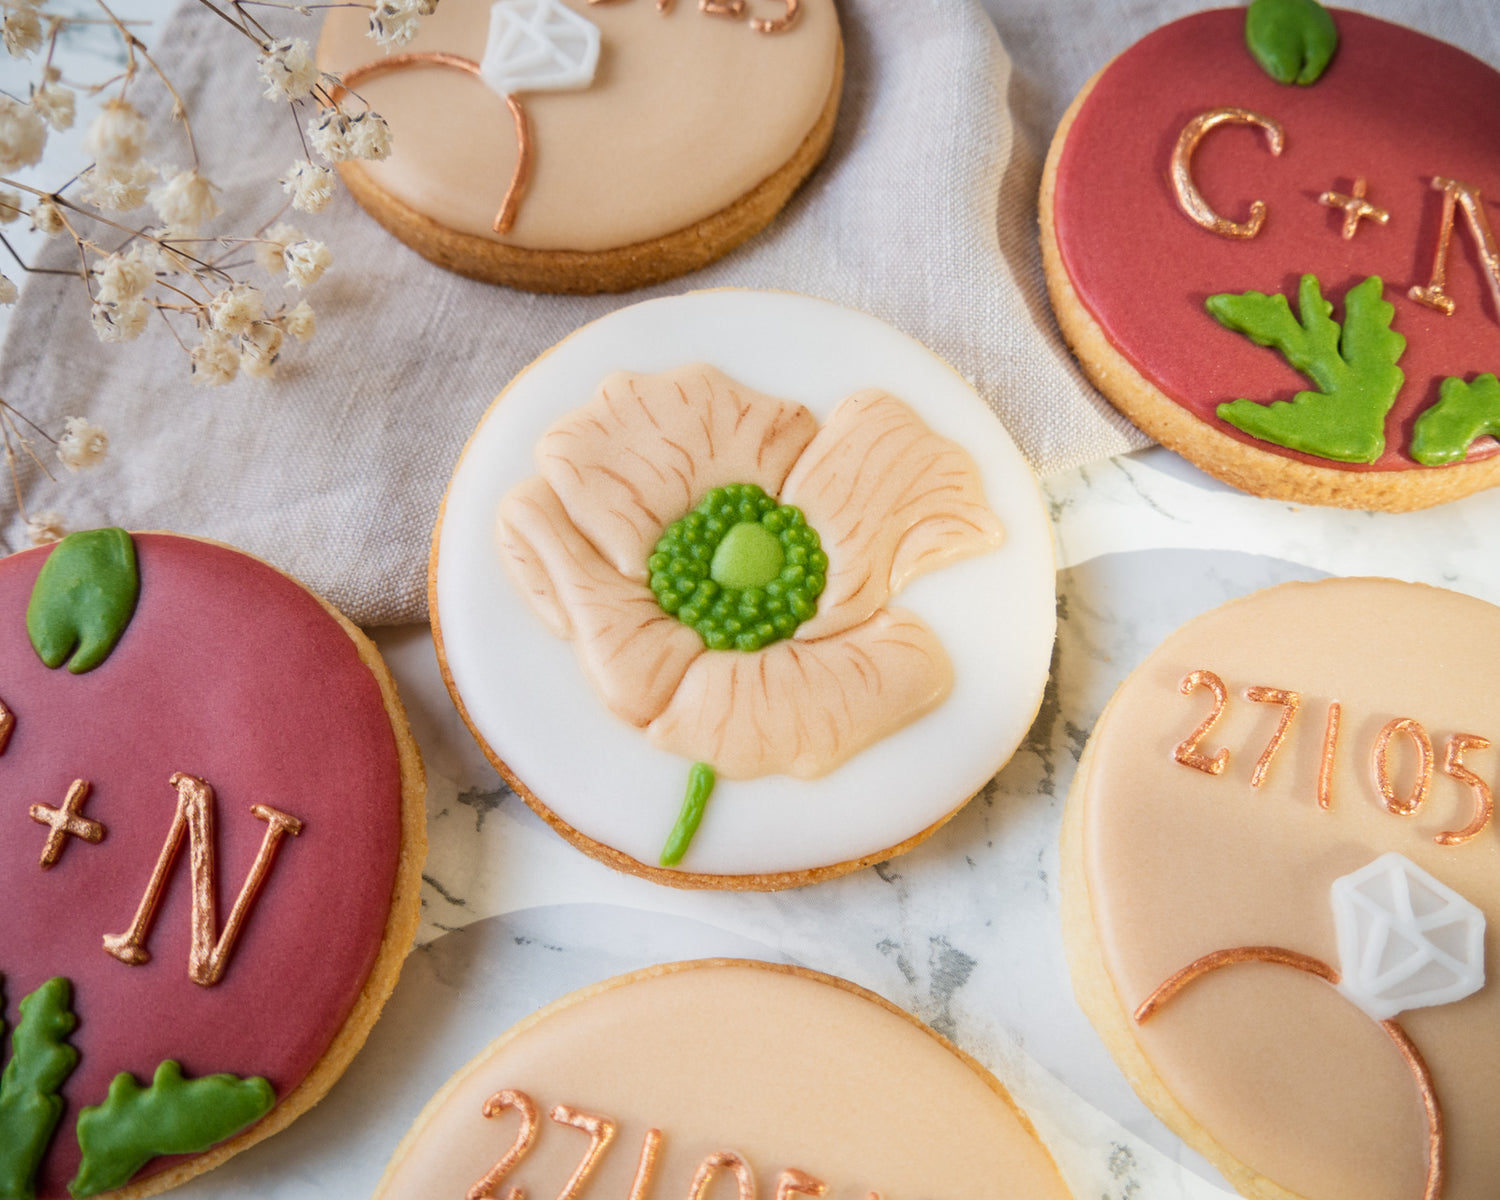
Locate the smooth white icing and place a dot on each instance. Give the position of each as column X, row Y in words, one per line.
column 530, row 703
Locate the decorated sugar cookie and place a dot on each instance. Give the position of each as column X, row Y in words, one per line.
column 591, row 145
column 1269, row 238
column 1281, row 885
column 210, row 862
column 742, row 589
column 722, row 1077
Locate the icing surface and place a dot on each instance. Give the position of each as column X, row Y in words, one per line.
column 998, row 607
column 1394, row 107
column 230, row 671
column 789, row 1071
column 686, row 113
column 1280, row 1069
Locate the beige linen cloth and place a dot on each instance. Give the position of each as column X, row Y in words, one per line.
column 924, row 214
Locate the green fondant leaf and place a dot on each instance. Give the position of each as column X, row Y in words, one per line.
column 30, row 1106
column 1463, row 412
column 83, row 598
column 172, row 1116
column 700, row 787
column 1354, row 366
column 1292, row 40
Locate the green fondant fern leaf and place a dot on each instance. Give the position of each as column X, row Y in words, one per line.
column 30, row 1106
column 1353, row 365
column 1463, row 412
column 173, row 1116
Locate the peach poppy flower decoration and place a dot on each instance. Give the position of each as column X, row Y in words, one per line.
column 723, row 566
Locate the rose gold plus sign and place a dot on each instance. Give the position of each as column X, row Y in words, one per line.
column 1355, row 207
column 66, row 822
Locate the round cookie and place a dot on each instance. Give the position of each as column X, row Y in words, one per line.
column 568, row 146
column 785, row 1080
column 211, row 860
column 1279, row 917
column 1189, row 312
column 838, row 744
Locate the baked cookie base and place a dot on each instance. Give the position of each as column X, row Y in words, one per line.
column 586, row 272
column 1259, row 472
column 400, row 932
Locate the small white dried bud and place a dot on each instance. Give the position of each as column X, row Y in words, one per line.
column 55, row 103
column 259, row 350
column 186, row 201
column 21, row 31
column 234, row 310
column 119, row 320
column 214, row 360
column 116, row 190
column 82, row 445
column 393, row 22
column 369, row 136
column 10, row 206
column 300, row 321
column 270, row 250
column 8, row 291
column 46, row 528
column 328, row 132
column 117, row 138
column 23, row 135
column 310, row 187
column 305, row 261
column 47, row 217
column 288, row 69
column 124, row 276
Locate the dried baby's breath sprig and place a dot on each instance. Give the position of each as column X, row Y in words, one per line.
column 45, row 528
column 178, row 269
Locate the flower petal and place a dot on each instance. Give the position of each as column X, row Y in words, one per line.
column 890, row 499
column 632, row 653
column 646, row 448
column 800, row 708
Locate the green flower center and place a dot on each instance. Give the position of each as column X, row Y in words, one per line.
column 741, row 569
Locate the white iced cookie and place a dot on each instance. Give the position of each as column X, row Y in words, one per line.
column 743, row 590
column 1280, row 873
column 722, row 1077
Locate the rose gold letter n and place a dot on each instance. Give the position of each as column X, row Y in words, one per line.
column 195, row 817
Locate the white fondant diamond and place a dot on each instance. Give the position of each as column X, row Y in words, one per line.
column 538, row 45
column 1405, row 939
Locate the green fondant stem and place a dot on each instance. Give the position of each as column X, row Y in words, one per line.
column 83, row 599
column 173, row 1116
column 30, row 1104
column 700, row 787
column 1463, row 412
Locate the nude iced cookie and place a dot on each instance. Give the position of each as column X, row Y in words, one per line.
column 1280, row 884
column 566, row 146
column 722, row 1077
column 736, row 618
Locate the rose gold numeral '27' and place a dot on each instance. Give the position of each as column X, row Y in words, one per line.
column 601, row 1131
